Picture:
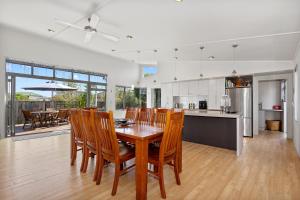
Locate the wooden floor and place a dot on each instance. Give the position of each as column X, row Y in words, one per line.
column 29, row 131
column 268, row 169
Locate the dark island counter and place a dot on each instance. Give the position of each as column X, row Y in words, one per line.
column 213, row 128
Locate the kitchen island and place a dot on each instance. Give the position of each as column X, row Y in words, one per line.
column 214, row 128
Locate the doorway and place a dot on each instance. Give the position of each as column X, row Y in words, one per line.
column 156, row 97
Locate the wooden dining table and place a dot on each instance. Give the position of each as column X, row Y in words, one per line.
column 141, row 136
column 43, row 115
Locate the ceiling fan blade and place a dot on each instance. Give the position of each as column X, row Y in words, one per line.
column 88, row 36
column 68, row 24
column 110, row 37
column 94, row 20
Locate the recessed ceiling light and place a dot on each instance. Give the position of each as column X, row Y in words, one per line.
column 179, row 0
column 129, row 37
column 211, row 57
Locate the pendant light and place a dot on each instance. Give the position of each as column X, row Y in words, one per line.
column 201, row 58
column 175, row 62
column 234, row 46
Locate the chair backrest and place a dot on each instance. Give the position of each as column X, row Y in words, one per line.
column 160, row 118
column 27, row 114
column 145, row 116
column 172, row 134
column 131, row 114
column 105, row 130
column 61, row 114
column 87, row 123
column 76, row 125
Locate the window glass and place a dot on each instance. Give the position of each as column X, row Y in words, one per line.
column 17, row 68
column 80, row 77
column 149, row 70
column 128, row 97
column 99, row 87
column 63, row 74
column 41, row 71
column 98, row 79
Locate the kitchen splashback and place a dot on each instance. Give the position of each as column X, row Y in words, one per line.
column 183, row 101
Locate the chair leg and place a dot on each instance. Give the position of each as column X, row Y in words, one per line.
column 161, row 182
column 116, row 179
column 97, row 166
column 176, row 171
column 100, row 171
column 86, row 154
column 73, row 154
column 82, row 159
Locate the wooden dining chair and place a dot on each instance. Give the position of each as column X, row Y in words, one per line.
column 92, row 147
column 160, row 117
column 30, row 118
column 167, row 153
column 111, row 150
column 145, row 116
column 131, row 114
column 78, row 140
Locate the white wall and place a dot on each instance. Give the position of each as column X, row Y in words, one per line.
column 269, row 94
column 297, row 103
column 28, row 47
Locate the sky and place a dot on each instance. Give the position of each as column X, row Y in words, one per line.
column 150, row 70
column 28, row 82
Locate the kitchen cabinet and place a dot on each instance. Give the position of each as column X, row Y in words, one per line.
column 166, row 95
column 216, row 88
column 184, row 88
column 175, row 89
column 203, row 87
column 194, row 89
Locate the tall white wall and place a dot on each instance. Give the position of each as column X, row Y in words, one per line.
column 29, row 47
column 297, row 103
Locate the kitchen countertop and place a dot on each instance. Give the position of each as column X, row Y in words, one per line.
column 210, row 113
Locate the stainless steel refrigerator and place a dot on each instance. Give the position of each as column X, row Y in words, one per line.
column 241, row 102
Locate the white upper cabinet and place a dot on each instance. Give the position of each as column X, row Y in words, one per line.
column 175, row 89
column 203, row 87
column 166, row 95
column 184, row 88
column 193, row 88
column 216, row 88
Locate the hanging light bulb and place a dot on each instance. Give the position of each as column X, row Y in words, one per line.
column 201, row 57
column 234, row 46
column 175, row 62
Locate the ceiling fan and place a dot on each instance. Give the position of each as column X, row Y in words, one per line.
column 90, row 29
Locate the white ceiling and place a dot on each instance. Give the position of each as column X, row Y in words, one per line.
column 166, row 24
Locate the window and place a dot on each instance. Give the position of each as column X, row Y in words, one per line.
column 18, row 68
column 63, row 74
column 41, row 71
column 98, row 79
column 80, row 77
column 149, row 70
column 128, row 97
